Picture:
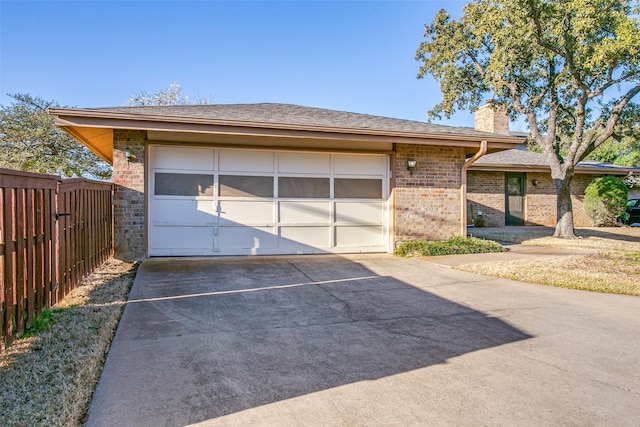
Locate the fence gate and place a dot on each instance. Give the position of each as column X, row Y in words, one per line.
column 53, row 233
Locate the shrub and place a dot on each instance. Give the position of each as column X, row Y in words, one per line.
column 605, row 200
column 453, row 246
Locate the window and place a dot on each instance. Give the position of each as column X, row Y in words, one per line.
column 307, row 188
column 246, row 186
column 347, row 188
column 181, row 184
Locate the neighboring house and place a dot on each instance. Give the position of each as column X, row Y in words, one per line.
column 277, row 179
column 514, row 187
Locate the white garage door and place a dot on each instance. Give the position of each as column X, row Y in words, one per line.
column 206, row 201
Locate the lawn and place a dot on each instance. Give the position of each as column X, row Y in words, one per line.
column 48, row 379
column 611, row 263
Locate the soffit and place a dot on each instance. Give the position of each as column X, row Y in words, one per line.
column 95, row 130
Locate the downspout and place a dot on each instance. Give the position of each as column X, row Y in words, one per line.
column 463, row 186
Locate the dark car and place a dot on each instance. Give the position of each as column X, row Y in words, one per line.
column 633, row 209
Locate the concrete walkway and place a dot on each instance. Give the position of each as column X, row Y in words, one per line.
column 364, row 340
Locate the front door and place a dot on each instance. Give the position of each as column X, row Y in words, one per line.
column 514, row 198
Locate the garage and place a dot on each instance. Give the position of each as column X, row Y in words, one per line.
column 223, row 201
column 254, row 179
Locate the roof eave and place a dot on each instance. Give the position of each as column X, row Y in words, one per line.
column 94, row 128
column 120, row 119
column 546, row 169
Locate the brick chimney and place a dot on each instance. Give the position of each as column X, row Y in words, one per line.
column 490, row 119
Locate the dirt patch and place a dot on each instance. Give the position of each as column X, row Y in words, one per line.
column 48, row 379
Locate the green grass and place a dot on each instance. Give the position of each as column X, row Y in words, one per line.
column 47, row 379
column 41, row 323
column 454, row 246
column 633, row 259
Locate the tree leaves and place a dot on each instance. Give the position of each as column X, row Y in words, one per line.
column 30, row 141
column 570, row 67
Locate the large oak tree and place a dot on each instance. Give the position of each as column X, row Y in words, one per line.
column 570, row 67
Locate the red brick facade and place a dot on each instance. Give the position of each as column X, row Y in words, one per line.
column 427, row 201
column 485, row 193
column 129, row 201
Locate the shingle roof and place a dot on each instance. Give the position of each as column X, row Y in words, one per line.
column 527, row 159
column 293, row 114
column 513, row 157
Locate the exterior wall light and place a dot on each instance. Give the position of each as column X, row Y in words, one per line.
column 127, row 154
column 411, row 165
column 534, row 182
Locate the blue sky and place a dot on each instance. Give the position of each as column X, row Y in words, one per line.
column 345, row 55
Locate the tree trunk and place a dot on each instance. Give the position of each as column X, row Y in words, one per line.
column 564, row 224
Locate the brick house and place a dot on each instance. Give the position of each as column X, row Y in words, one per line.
column 277, row 179
column 514, row 187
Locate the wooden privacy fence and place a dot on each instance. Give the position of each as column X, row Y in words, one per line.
column 53, row 233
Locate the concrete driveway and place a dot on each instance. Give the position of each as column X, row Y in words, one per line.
column 364, row 340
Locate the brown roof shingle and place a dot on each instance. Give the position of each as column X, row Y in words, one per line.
column 293, row 114
column 523, row 159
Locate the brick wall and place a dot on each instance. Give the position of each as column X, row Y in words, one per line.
column 485, row 192
column 427, row 201
column 540, row 200
column 578, row 185
column 129, row 201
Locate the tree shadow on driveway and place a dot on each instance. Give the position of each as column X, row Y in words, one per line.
column 204, row 338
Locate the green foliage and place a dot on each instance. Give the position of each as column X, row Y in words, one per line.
column 454, row 246
column 30, row 141
column 41, row 323
column 624, row 147
column 605, row 200
column 624, row 153
column 570, row 67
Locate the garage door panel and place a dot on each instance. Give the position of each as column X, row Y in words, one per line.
column 346, row 164
column 252, row 238
column 297, row 187
column 305, row 212
column 299, row 237
column 173, row 237
column 246, row 212
column 245, row 186
column 354, row 236
column 246, row 161
column 361, row 188
column 183, row 184
column 180, row 158
column 176, row 211
column 359, row 212
column 304, row 163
